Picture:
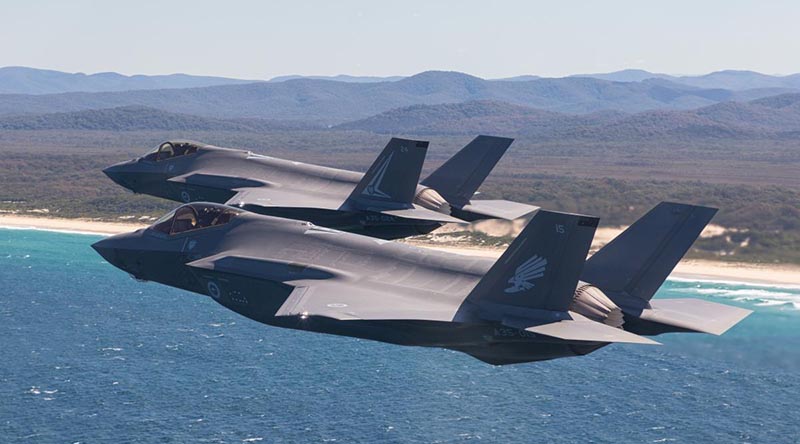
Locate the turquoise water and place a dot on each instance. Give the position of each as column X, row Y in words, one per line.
column 89, row 355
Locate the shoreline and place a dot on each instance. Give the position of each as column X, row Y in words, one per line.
column 783, row 275
column 695, row 270
column 63, row 225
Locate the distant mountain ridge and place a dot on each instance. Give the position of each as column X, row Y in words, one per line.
column 771, row 117
column 334, row 102
column 735, row 80
column 340, row 78
column 22, row 80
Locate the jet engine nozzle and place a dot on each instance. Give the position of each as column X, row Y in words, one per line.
column 432, row 200
column 591, row 302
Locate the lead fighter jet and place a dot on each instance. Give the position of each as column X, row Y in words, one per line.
column 541, row 300
column 387, row 201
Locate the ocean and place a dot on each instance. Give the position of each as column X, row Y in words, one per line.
column 88, row 355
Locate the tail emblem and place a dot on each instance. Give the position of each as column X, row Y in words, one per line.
column 372, row 189
column 530, row 270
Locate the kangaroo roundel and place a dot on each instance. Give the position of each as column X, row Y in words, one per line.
column 528, row 271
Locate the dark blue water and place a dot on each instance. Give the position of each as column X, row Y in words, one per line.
column 89, row 355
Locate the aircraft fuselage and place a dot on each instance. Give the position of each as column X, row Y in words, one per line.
column 153, row 256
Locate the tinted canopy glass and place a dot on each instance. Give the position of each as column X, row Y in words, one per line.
column 195, row 216
column 170, row 150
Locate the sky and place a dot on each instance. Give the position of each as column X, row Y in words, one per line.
column 490, row 39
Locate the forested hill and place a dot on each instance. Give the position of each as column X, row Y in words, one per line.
column 772, row 117
column 133, row 118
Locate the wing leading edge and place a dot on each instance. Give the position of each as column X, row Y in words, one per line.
column 331, row 293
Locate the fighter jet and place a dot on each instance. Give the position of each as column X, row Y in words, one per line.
column 386, row 202
column 540, row 300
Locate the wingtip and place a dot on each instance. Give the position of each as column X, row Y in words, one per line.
column 732, row 322
column 648, row 341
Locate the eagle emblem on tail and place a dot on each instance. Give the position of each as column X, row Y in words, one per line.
column 528, row 271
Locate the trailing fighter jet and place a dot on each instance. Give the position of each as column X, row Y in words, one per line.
column 540, row 300
column 386, row 202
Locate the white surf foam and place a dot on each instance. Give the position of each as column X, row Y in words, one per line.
column 759, row 296
column 733, row 282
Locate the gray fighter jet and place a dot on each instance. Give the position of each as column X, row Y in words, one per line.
column 386, row 202
column 541, row 300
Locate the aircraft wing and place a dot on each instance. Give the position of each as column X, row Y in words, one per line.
column 353, row 302
column 281, row 197
column 213, row 180
column 254, row 192
column 291, row 273
column 330, row 293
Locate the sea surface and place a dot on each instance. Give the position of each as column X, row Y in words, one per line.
column 88, row 355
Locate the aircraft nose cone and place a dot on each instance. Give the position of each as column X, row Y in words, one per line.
column 118, row 173
column 107, row 250
column 122, row 251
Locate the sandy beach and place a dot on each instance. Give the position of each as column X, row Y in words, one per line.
column 690, row 269
column 87, row 226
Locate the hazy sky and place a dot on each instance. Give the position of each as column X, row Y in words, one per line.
column 490, row 39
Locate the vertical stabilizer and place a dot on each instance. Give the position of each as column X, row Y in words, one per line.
column 540, row 269
column 391, row 181
column 637, row 262
column 458, row 179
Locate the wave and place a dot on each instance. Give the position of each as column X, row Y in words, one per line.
column 758, row 296
column 740, row 291
column 733, row 282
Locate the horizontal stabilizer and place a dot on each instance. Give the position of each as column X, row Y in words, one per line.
column 694, row 314
column 495, row 209
column 582, row 329
column 419, row 213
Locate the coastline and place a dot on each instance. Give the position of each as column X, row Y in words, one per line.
column 690, row 269
column 77, row 226
column 696, row 270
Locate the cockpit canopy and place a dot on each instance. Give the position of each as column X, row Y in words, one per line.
column 195, row 216
column 171, row 150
